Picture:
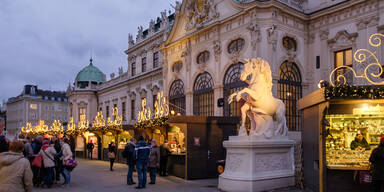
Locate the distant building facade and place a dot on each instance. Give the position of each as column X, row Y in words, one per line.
column 91, row 93
column 33, row 105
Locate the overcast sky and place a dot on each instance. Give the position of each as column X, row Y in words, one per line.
column 46, row 42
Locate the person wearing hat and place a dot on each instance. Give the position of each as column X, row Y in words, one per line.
column 154, row 161
column 377, row 166
column 360, row 142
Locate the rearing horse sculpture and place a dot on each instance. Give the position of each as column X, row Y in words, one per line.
column 260, row 105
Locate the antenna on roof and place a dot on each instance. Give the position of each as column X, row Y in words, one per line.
column 90, row 60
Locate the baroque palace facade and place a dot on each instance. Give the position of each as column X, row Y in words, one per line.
column 196, row 55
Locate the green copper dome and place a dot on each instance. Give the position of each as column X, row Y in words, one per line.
column 90, row 73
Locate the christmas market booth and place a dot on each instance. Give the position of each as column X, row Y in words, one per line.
column 342, row 124
column 195, row 142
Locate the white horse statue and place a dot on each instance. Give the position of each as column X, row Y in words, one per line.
column 260, row 105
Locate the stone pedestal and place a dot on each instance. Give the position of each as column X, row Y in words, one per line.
column 257, row 164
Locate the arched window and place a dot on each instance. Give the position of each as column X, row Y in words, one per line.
column 203, row 95
column 289, row 90
column 176, row 67
column 203, row 57
column 236, row 45
column 232, row 83
column 177, row 97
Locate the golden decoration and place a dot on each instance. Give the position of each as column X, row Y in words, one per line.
column 361, row 56
column 56, row 127
column 161, row 106
column 145, row 113
column 117, row 119
column 83, row 124
column 99, row 120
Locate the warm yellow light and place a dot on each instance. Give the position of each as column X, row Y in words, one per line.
column 172, row 112
column 361, row 56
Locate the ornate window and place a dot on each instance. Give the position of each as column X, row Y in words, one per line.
column 289, row 43
column 155, row 59
column 177, row 97
column 177, row 66
column 123, row 110
column 236, row 45
column 289, row 90
column 203, row 57
column 107, row 111
column 344, row 58
column 133, row 69
column 232, row 84
column 144, row 64
column 203, row 95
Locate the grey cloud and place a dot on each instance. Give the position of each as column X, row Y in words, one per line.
column 47, row 42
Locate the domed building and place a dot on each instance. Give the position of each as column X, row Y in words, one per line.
column 89, row 76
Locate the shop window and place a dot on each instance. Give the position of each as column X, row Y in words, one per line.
column 133, row 69
column 177, row 97
column 176, row 140
column 344, row 58
column 232, row 84
column 236, row 45
column 133, row 116
column 203, row 95
column 203, row 57
column 289, row 90
column 155, row 59
column 144, row 64
column 177, row 66
column 123, row 110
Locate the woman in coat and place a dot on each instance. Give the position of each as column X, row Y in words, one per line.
column 15, row 171
column 111, row 154
column 377, row 161
column 154, row 161
column 48, row 153
column 67, row 155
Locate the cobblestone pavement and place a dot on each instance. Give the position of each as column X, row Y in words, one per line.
column 94, row 176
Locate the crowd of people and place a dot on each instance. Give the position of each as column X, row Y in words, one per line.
column 145, row 157
column 39, row 162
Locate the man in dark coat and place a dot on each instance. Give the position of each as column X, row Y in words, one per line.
column 164, row 152
column 128, row 154
column 37, row 174
column 142, row 151
column 58, row 161
column 90, row 147
column 377, row 160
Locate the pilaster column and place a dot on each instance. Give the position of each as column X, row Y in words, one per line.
column 189, row 103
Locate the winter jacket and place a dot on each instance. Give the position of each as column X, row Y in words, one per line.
column 36, row 146
column 142, row 151
column 363, row 144
column 164, row 151
column 90, row 146
column 48, row 156
column 15, row 173
column 377, row 160
column 67, row 153
column 154, row 157
column 128, row 153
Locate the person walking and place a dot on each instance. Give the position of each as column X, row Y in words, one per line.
column 164, row 152
column 377, row 163
column 90, row 147
column 37, row 171
column 154, row 161
column 111, row 154
column 15, row 171
column 58, row 162
column 67, row 155
column 128, row 154
column 142, row 151
column 48, row 153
